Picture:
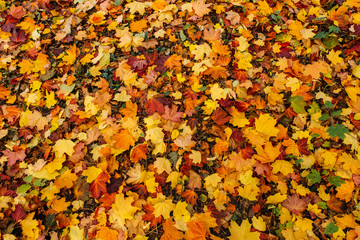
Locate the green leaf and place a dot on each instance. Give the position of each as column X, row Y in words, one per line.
column 329, row 104
column 322, row 205
column 334, row 29
column 314, row 108
column 337, row 131
column 298, row 104
column 182, row 36
column 39, row 182
column 331, row 228
column 314, row 177
column 320, row 35
column 23, row 188
column 336, row 181
column 330, row 42
column 117, row 3
column 324, row 117
column 336, row 113
column 28, row 179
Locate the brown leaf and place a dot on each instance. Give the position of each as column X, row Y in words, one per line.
column 296, row 204
column 220, row 117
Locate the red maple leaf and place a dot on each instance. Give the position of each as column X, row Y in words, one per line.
column 9, row 24
column 19, row 213
column 302, row 146
column 98, row 186
column 156, row 104
column 18, row 36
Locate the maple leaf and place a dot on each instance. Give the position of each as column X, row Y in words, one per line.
column 220, row 117
column 296, row 204
column 156, row 104
column 268, row 153
column 302, row 146
column 123, row 140
column 196, row 230
column 63, row 146
column 172, row 114
column 266, row 124
column 190, row 196
column 217, row 72
column 71, row 55
column 138, row 153
column 14, row 156
column 19, row 213
column 242, row 232
column 185, row 142
column 29, row 227
column 233, row 17
column 98, row 186
column 170, row 232
column 173, row 61
column 18, row 36
column 106, row 233
column 210, row 34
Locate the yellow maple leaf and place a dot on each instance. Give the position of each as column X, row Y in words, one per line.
column 277, row 198
column 50, row 99
column 334, row 57
column 71, row 55
column 76, row 233
column 122, row 209
column 29, row 226
column 250, row 192
column 259, row 223
column 347, row 221
column 63, row 146
column 266, row 124
column 356, row 71
column 136, row 7
column 162, row 165
column 91, row 173
column 164, row 208
column 282, row 166
column 26, row 66
column 66, row 179
column 195, row 156
column 181, row 211
column 268, row 153
column 265, row 9
column 242, row 232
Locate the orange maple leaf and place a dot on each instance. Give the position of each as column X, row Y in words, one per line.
column 138, row 26
column 170, row 232
column 217, row 72
column 138, row 153
column 190, row 196
column 196, row 230
column 173, row 61
column 123, row 140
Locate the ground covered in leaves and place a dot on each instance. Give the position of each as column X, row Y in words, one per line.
column 234, row 119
